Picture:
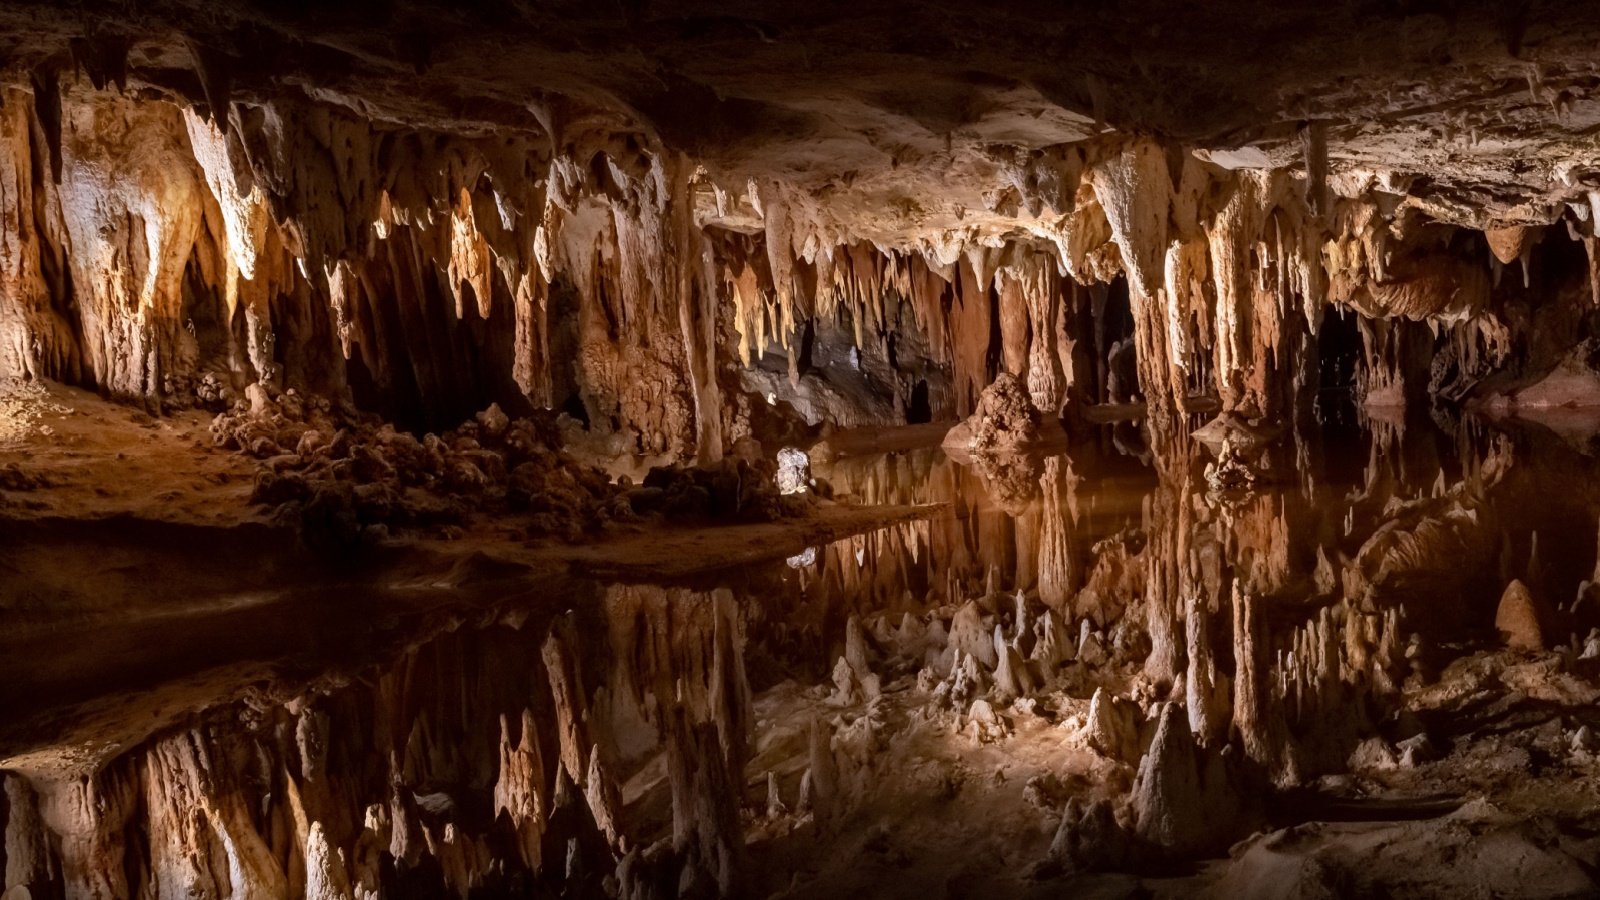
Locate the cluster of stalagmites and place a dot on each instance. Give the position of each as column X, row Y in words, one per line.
column 345, row 478
column 1202, row 699
column 1192, row 790
column 1194, row 657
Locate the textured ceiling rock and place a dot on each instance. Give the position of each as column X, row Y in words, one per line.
column 1482, row 105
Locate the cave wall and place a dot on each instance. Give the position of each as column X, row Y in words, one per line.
column 302, row 246
column 160, row 253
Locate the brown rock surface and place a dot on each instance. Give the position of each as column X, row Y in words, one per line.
column 1518, row 619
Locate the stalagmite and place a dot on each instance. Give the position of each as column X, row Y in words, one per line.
column 1091, row 646
column 1518, row 619
column 325, row 872
column 821, row 775
column 1113, row 726
column 1167, row 800
column 968, row 638
column 1053, row 645
column 1089, row 839
column 1207, row 698
column 775, row 805
column 1250, row 684
column 1012, row 678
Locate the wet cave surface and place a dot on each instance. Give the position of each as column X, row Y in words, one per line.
column 841, row 719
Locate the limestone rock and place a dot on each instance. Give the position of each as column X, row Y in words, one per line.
column 846, row 689
column 1169, row 809
column 1005, row 420
column 1518, row 619
column 794, row 471
column 775, row 806
column 1089, row 838
column 1091, row 646
column 1012, row 677
column 1113, row 727
column 1231, row 471
column 1415, row 750
column 1053, row 646
column 986, row 725
column 1510, row 243
column 1022, row 626
column 969, row 638
column 1374, row 753
column 493, row 421
column 853, row 678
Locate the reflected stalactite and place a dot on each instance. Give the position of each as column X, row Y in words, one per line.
column 1210, row 652
column 429, row 772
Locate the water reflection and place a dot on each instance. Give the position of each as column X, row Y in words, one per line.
column 632, row 739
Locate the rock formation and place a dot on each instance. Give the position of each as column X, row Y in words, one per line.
column 1004, row 421
column 1518, row 619
column 644, row 451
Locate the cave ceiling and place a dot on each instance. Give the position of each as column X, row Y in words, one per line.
column 904, row 117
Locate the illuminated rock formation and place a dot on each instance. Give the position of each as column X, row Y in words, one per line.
column 496, row 410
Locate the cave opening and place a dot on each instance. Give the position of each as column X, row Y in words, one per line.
column 205, row 321
column 1338, row 351
column 919, row 410
column 573, row 406
column 1115, row 353
column 1339, row 358
column 564, row 342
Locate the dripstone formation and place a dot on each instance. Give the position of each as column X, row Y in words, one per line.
column 661, row 450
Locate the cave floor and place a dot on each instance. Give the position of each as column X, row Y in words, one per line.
column 97, row 459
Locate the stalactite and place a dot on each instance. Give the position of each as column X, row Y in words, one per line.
column 520, row 786
column 1232, row 236
column 36, row 334
column 1251, row 659
column 88, row 816
column 131, row 233
column 336, row 236
column 28, row 860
